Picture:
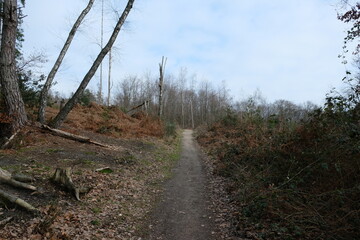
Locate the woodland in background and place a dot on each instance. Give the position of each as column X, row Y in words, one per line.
column 293, row 170
column 186, row 101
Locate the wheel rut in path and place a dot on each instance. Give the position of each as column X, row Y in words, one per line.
column 184, row 213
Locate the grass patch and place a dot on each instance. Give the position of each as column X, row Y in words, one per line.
column 106, row 170
column 86, row 162
column 53, row 150
column 95, row 222
column 96, row 210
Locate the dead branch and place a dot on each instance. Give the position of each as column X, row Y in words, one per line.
column 103, row 169
column 7, row 178
column 17, row 201
column 73, row 136
column 22, row 177
column 138, row 106
column 9, row 140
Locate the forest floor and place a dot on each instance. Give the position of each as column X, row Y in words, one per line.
column 120, row 198
column 126, row 201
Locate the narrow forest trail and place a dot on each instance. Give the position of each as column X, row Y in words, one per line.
column 184, row 212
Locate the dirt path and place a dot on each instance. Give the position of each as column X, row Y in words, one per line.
column 184, row 211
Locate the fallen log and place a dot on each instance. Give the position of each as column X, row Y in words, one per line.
column 18, row 201
column 22, row 177
column 138, row 106
column 62, row 177
column 6, row 177
column 73, row 136
column 6, row 144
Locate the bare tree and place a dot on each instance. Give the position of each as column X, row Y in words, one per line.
column 100, row 98
column 50, row 78
column 129, row 93
column 70, row 104
column 15, row 114
column 1, row 17
column 161, row 82
column 109, row 79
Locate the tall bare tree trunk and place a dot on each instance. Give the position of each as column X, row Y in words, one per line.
column 161, row 82
column 192, row 114
column 1, row 14
column 182, row 109
column 58, row 120
column 50, row 78
column 14, row 105
column 109, row 79
column 100, row 98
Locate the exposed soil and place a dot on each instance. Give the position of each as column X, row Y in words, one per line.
column 120, row 199
column 186, row 209
column 121, row 203
column 115, row 208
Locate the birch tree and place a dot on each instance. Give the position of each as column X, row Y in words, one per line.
column 58, row 120
column 55, row 68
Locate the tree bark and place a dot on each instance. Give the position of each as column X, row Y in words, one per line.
column 161, row 82
column 1, row 21
column 14, row 105
column 50, row 78
column 58, row 120
column 63, row 178
column 109, row 79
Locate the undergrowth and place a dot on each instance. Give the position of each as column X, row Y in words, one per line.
column 292, row 180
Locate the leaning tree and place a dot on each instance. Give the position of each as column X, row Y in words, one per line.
column 55, row 68
column 57, row 121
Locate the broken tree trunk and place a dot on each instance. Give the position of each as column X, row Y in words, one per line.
column 7, row 178
column 62, row 177
column 72, row 136
column 161, row 82
column 138, row 106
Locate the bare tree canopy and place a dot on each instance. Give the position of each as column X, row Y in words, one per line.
column 71, row 103
column 50, row 78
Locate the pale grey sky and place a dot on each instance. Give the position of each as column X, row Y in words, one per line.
column 286, row 48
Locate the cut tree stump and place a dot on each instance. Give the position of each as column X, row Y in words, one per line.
column 62, row 177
